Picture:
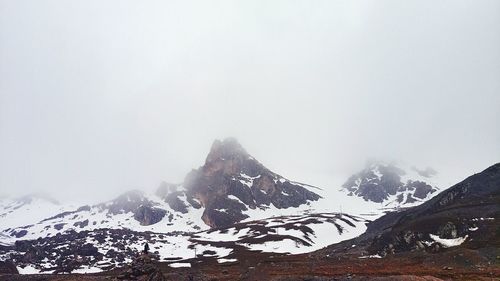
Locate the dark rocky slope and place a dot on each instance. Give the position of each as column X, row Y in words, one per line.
column 466, row 215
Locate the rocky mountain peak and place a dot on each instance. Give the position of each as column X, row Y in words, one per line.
column 228, row 148
column 229, row 159
column 232, row 181
column 389, row 184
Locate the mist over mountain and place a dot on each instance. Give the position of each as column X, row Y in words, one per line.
column 249, row 140
column 127, row 99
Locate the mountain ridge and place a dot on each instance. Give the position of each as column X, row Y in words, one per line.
column 391, row 185
column 226, row 189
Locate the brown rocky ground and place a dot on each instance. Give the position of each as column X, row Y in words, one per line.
column 451, row 265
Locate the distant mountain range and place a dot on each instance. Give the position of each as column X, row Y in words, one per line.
column 391, row 185
column 232, row 203
column 230, row 187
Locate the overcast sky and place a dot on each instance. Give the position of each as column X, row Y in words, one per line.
column 99, row 97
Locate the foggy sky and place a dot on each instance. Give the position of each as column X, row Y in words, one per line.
column 99, row 97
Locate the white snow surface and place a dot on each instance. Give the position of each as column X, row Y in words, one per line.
column 223, row 260
column 371, row 257
column 448, row 243
column 18, row 212
column 289, row 234
column 180, row 264
column 29, row 269
column 100, row 218
column 87, row 269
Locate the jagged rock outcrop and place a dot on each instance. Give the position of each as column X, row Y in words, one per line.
column 146, row 215
column 230, row 182
column 8, row 267
column 142, row 268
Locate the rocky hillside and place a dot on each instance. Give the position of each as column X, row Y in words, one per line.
column 466, row 215
column 390, row 185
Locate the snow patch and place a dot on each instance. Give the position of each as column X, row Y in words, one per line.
column 223, row 260
column 30, row 269
column 180, row 264
column 371, row 257
column 447, row 243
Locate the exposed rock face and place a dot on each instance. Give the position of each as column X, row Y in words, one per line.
column 148, row 215
column 379, row 182
column 20, row 233
column 231, row 182
column 81, row 224
column 8, row 267
column 142, row 268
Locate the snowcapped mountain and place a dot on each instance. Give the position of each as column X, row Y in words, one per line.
column 231, row 190
column 27, row 210
column 464, row 216
column 231, row 204
column 230, row 187
column 392, row 186
column 133, row 210
column 232, row 184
